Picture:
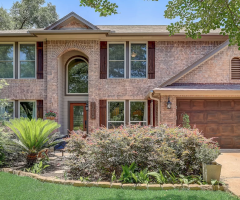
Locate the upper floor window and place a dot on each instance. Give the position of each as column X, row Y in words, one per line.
column 77, row 76
column 27, row 63
column 6, row 60
column 116, row 60
column 138, row 62
column 235, row 68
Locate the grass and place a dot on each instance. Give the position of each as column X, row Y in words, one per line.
column 24, row 188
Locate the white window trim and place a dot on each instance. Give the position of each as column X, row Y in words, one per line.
column 130, row 61
column 124, row 43
column 13, row 43
column 67, row 76
column 31, row 60
column 145, row 108
column 123, row 111
column 27, row 101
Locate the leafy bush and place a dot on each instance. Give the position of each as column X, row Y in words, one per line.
column 1, row 155
column 33, row 135
column 176, row 150
column 12, row 154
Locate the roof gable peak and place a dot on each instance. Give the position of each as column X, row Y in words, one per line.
column 72, row 21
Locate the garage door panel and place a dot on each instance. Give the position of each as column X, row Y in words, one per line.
column 236, row 131
column 236, row 104
column 227, row 142
column 197, row 117
column 237, row 142
column 212, row 116
column 226, row 129
column 236, row 116
column 197, row 105
column 211, row 130
column 226, row 117
column 226, row 105
column 211, row 104
column 184, row 105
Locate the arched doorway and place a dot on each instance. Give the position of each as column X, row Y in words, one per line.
column 77, row 84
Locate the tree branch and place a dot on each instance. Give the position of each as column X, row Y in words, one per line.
column 235, row 24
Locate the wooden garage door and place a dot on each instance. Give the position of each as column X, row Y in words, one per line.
column 215, row 118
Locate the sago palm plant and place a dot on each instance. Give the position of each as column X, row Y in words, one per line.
column 34, row 135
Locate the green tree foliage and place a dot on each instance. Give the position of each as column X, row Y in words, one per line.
column 104, row 7
column 28, row 14
column 199, row 17
column 196, row 17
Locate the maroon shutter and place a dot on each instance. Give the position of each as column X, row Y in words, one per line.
column 39, row 60
column 103, row 113
column 40, row 109
column 103, row 60
column 151, row 59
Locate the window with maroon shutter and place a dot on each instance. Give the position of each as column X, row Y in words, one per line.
column 103, row 113
column 103, row 60
column 40, row 109
column 39, row 60
column 151, row 59
column 235, row 68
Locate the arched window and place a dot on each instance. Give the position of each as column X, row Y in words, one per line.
column 77, row 76
column 235, row 68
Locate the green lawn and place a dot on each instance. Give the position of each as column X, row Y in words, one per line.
column 24, row 188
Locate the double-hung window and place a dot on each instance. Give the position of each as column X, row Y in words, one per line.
column 116, row 60
column 6, row 60
column 7, row 110
column 27, row 109
column 138, row 60
column 27, row 60
column 138, row 112
column 115, row 114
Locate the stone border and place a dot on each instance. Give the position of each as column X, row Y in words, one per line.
column 115, row 185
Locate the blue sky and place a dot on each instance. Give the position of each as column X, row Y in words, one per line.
column 131, row 12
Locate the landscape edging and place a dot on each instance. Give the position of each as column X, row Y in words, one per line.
column 114, row 185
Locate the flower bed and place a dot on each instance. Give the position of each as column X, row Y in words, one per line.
column 114, row 185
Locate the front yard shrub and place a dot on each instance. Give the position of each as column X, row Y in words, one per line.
column 33, row 136
column 176, row 150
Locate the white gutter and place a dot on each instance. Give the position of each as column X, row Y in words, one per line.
column 159, row 104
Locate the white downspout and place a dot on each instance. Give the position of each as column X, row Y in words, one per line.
column 159, row 104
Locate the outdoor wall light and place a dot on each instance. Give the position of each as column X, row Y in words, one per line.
column 86, row 107
column 169, row 103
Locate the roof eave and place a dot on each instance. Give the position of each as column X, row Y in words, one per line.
column 175, row 92
column 16, row 35
column 66, row 32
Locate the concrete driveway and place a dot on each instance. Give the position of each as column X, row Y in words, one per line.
column 230, row 174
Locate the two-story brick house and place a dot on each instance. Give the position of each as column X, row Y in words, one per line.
column 125, row 74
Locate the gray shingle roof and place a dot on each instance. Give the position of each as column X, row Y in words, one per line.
column 118, row 29
column 199, row 86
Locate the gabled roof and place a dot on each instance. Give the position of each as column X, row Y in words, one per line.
column 69, row 16
column 195, row 64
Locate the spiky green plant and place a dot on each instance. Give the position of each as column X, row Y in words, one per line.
column 34, row 135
